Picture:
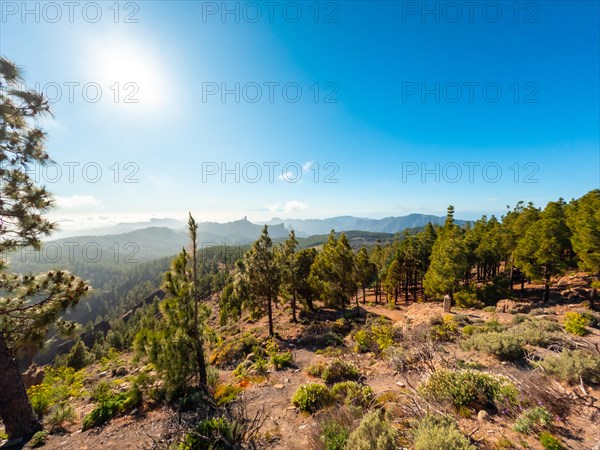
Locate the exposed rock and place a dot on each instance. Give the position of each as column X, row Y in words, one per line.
column 483, row 416
column 447, row 303
column 400, row 383
column 33, row 375
column 511, row 306
column 278, row 386
column 120, row 372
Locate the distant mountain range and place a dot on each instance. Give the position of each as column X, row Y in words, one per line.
column 143, row 241
column 391, row 225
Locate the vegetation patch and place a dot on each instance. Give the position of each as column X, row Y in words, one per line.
column 311, row 397
column 469, row 388
column 573, row 366
column 438, row 432
column 373, row 432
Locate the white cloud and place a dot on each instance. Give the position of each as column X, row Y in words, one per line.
column 77, row 201
column 295, row 205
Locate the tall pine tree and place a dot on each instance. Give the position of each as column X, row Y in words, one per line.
column 29, row 304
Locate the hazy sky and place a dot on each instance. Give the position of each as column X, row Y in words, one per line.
column 311, row 109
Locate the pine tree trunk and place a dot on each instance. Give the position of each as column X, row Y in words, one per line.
column 294, row 319
column 270, row 314
column 15, row 410
column 546, row 296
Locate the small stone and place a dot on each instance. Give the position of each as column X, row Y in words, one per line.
column 302, row 427
column 102, row 374
column 483, row 416
column 297, row 370
column 287, row 380
column 400, row 383
column 278, row 386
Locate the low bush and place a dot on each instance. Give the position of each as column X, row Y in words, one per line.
column 573, row 365
column 549, row 442
column 281, row 360
column 444, row 329
column 110, row 405
column 339, row 370
column 533, row 419
column 438, row 432
column 52, row 397
column 469, row 388
column 213, row 434
column 38, row 439
column 230, row 352
column 375, row 338
column 311, row 397
column 575, row 323
column 334, row 436
column 353, row 394
column 373, row 433
column 467, row 299
column 316, row 369
column 504, row 346
column 226, row 393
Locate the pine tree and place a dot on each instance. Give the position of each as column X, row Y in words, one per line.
column 515, row 225
column 179, row 333
column 333, row 270
column 544, row 251
column 448, row 260
column 28, row 304
column 263, row 276
column 288, row 262
column 305, row 259
column 583, row 219
column 366, row 271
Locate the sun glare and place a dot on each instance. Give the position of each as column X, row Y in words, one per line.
column 128, row 73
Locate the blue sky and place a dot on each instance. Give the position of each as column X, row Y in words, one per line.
column 362, row 108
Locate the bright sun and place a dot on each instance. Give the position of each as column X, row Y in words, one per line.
column 127, row 72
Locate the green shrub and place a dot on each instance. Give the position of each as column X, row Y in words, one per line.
column 212, row 377
column 397, row 357
column 57, row 389
column 334, row 436
column 230, row 352
column 316, row 369
column 575, row 323
column 438, row 432
column 573, row 365
column 467, row 299
column 213, row 434
column 376, row 338
column 444, row 329
column 353, row 394
column 373, row 433
column 382, row 335
column 468, row 388
column 59, row 414
column 363, row 341
column 533, row 419
column 549, row 442
column 282, row 360
column 226, row 393
column 110, row 405
column 339, row 370
column 39, row 439
column 311, row 397
column 503, row 345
